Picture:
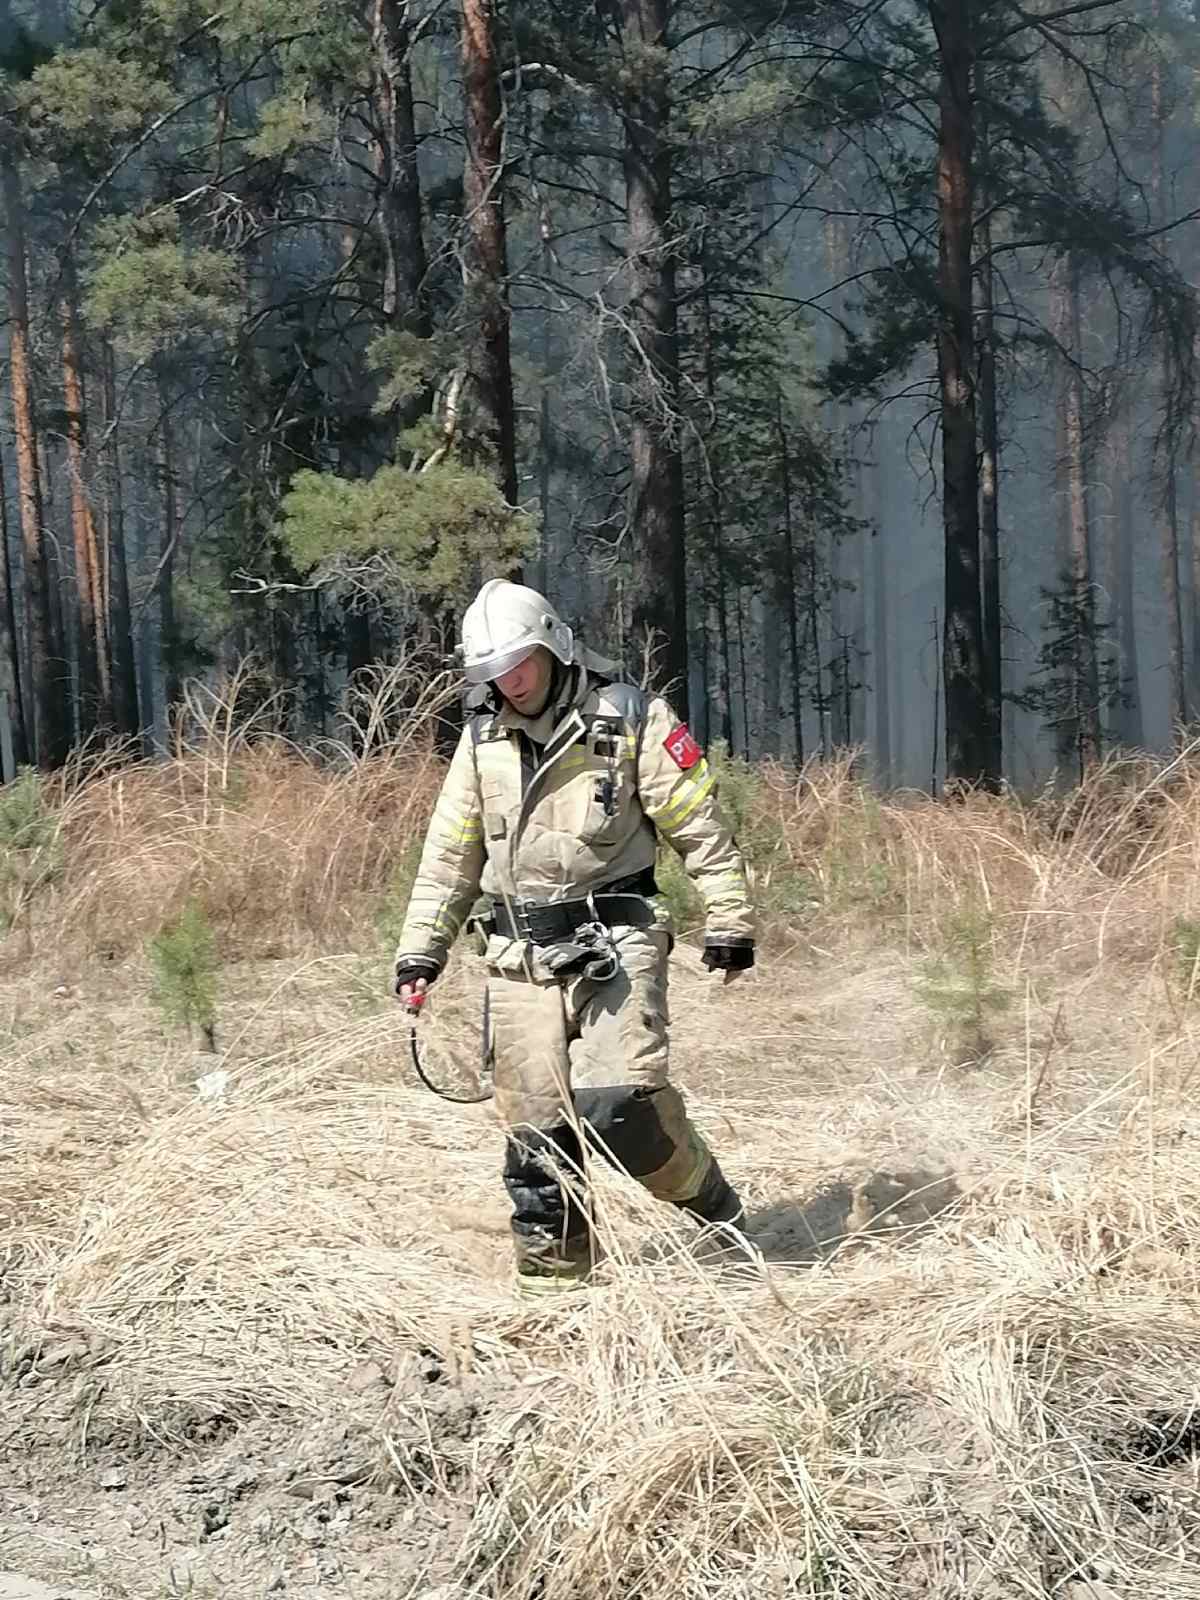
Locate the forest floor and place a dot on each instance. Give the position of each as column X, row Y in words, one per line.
column 258, row 1333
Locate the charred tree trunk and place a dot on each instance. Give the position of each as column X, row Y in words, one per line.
column 1086, row 712
column 357, row 631
column 788, row 598
column 1128, row 719
column 95, row 677
column 405, row 265
column 989, row 506
column 120, row 610
column 1169, row 507
column 48, row 719
column 722, row 591
column 171, row 653
column 970, row 740
column 485, row 243
column 772, row 666
column 820, row 700
column 10, row 652
column 711, row 475
column 881, row 651
column 657, row 489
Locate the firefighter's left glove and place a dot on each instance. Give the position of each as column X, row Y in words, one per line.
column 412, row 977
column 728, row 955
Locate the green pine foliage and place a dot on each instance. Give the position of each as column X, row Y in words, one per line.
column 184, row 957
column 439, row 527
column 960, row 986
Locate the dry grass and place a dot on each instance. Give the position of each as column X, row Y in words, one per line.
column 966, row 1365
column 286, row 849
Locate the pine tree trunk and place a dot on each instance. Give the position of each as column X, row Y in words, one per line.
column 485, row 243
column 723, row 627
column 1169, row 509
column 744, row 680
column 1079, row 571
column 657, row 487
column 1129, row 712
column 10, row 653
column 970, row 740
column 711, row 475
column 989, row 505
column 120, row 610
column 546, row 553
column 881, row 651
column 95, row 680
column 820, row 702
column 405, row 265
column 771, row 675
column 788, row 599
column 48, row 693
column 171, row 663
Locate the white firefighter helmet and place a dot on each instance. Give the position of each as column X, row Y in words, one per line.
column 504, row 624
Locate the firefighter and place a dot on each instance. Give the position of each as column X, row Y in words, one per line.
column 562, row 783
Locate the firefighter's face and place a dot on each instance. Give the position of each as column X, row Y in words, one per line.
column 527, row 686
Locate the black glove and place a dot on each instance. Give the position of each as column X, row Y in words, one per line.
column 409, row 969
column 728, row 955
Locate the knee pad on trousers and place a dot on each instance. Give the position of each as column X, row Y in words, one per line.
column 541, row 1166
column 626, row 1127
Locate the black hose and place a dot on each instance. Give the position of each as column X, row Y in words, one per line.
column 442, row 1094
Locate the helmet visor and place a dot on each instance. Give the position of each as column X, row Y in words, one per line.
column 487, row 668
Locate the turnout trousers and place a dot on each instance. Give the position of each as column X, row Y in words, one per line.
column 576, row 1056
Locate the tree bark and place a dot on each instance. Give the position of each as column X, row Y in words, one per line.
column 788, row 596
column 95, row 677
column 1169, row 509
column 485, row 243
column 970, row 740
column 657, row 522
column 169, row 643
column 404, row 300
column 48, row 693
column 1079, row 556
column 989, row 506
column 881, row 651
column 10, row 653
column 1129, row 712
column 120, row 610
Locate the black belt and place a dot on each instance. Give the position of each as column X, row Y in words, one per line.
column 550, row 922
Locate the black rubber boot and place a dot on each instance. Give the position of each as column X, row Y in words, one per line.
column 718, row 1200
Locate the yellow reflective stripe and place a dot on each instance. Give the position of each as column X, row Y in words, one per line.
column 441, row 922
column 682, row 807
column 458, row 827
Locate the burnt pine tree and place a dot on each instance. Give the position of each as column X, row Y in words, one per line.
column 657, row 521
column 485, row 246
column 47, row 714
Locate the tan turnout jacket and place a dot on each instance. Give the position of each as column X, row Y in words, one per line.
column 508, row 824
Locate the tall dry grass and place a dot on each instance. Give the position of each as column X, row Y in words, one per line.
column 285, row 848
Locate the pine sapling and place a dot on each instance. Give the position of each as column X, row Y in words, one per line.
column 959, row 986
column 185, row 966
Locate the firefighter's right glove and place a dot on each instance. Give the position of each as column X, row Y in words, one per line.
column 412, row 978
column 729, row 956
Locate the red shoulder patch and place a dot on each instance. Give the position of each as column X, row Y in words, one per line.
column 682, row 748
